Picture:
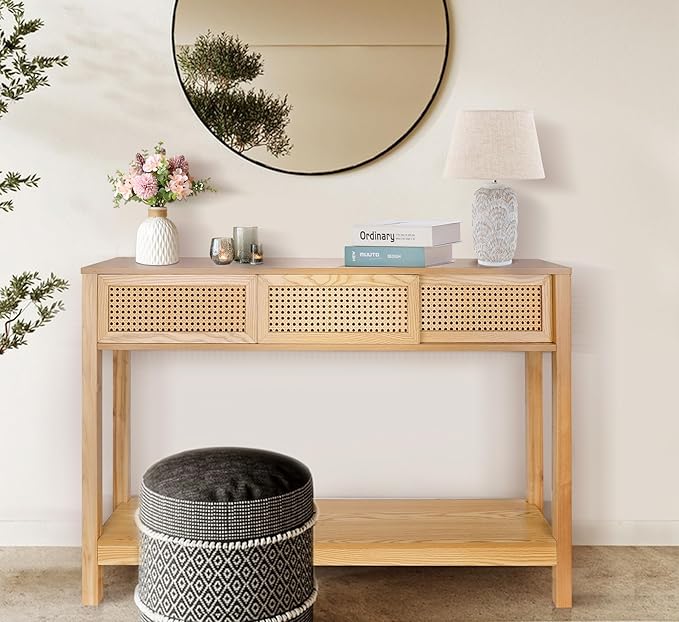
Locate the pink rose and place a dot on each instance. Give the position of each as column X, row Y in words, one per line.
column 145, row 186
column 180, row 185
column 152, row 163
column 124, row 187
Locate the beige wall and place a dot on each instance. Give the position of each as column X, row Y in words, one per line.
column 357, row 74
column 600, row 76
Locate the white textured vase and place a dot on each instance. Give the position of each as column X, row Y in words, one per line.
column 495, row 219
column 157, row 239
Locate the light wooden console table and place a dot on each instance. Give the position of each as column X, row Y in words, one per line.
column 318, row 305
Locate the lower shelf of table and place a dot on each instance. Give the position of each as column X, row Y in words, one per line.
column 396, row 532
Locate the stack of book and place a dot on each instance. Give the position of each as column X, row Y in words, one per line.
column 406, row 243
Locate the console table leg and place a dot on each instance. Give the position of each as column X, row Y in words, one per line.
column 121, row 427
column 562, row 573
column 92, row 578
column 534, row 434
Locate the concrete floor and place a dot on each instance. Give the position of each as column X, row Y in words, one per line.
column 611, row 583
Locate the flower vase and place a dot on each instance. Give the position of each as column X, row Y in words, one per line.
column 157, row 239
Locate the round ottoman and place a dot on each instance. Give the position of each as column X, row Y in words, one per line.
column 226, row 535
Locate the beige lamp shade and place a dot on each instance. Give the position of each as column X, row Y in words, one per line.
column 494, row 144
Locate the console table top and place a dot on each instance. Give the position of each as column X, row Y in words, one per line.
column 282, row 265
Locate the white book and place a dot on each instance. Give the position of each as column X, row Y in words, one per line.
column 407, row 233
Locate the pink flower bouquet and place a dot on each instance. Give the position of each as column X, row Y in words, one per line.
column 156, row 180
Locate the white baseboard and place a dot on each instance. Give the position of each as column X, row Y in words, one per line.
column 39, row 533
column 626, row 533
column 592, row 533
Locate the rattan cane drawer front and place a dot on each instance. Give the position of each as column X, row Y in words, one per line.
column 195, row 309
column 338, row 309
column 497, row 309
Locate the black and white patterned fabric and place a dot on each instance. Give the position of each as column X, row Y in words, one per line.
column 226, row 535
column 307, row 616
column 226, row 493
column 222, row 522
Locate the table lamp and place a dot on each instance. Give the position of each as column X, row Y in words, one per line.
column 492, row 145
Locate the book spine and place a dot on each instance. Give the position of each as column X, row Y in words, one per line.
column 377, row 256
column 366, row 236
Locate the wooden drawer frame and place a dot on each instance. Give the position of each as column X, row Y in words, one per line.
column 161, row 337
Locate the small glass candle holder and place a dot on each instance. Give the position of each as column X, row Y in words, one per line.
column 221, row 251
column 243, row 239
column 256, row 254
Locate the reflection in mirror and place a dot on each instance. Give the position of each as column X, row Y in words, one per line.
column 309, row 86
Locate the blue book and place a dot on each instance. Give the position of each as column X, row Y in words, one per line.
column 403, row 256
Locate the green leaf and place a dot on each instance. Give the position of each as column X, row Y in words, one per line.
column 27, row 293
column 19, row 74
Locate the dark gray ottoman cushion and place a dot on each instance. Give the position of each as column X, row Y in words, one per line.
column 226, row 534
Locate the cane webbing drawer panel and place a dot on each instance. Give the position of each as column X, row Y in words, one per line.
column 338, row 308
column 169, row 309
column 497, row 308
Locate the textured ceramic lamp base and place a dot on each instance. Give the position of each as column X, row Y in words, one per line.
column 157, row 240
column 495, row 218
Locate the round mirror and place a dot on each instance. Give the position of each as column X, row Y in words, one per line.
column 310, row 86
